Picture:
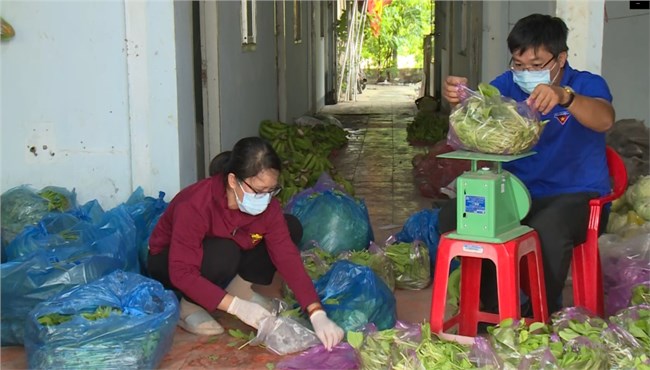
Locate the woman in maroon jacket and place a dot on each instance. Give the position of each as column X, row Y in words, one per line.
column 223, row 233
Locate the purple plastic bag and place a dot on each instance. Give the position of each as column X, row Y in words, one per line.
column 342, row 356
column 625, row 264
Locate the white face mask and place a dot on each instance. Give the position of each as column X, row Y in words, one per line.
column 253, row 204
column 528, row 80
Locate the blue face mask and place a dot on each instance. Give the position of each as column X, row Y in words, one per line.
column 253, row 204
column 528, row 80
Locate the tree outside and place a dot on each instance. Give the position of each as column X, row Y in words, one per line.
column 394, row 34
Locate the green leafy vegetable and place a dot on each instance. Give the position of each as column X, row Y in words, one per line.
column 488, row 123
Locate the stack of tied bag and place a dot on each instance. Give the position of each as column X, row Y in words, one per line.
column 55, row 250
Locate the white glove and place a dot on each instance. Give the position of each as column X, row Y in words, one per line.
column 249, row 312
column 326, row 330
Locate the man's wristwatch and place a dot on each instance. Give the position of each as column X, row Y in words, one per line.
column 572, row 95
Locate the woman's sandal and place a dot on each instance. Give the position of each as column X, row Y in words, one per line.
column 201, row 323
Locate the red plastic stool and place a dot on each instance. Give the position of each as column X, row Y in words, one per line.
column 506, row 257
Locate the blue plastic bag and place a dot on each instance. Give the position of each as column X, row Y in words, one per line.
column 354, row 296
column 23, row 205
column 423, row 226
column 29, row 282
column 333, row 220
column 71, row 238
column 145, row 212
column 136, row 332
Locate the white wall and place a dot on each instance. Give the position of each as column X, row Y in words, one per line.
column 92, row 87
column 498, row 19
column 626, row 59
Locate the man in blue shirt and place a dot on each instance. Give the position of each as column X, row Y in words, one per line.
column 570, row 166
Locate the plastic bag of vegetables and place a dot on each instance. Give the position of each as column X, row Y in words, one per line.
column 625, row 264
column 24, row 205
column 342, row 356
column 336, row 221
column 487, row 122
column 375, row 258
column 411, row 264
column 354, row 296
column 29, row 282
column 121, row 321
column 638, row 195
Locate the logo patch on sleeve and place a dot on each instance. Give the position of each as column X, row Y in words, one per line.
column 562, row 117
column 256, row 238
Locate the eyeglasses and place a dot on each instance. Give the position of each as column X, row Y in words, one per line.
column 516, row 66
column 260, row 194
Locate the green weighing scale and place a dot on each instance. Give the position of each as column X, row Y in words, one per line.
column 491, row 202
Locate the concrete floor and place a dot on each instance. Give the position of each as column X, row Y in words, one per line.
column 378, row 162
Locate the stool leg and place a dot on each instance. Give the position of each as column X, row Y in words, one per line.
column 508, row 287
column 470, row 287
column 537, row 287
column 440, row 281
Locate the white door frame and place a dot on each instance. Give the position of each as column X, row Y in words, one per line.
column 210, row 77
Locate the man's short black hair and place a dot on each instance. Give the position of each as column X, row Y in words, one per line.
column 537, row 30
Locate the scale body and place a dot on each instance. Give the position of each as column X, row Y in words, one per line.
column 491, row 202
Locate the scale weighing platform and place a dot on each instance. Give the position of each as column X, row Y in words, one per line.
column 491, row 201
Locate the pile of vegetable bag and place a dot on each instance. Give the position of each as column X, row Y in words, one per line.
column 32, row 281
column 354, row 296
column 332, row 219
column 487, row 122
column 59, row 253
column 121, row 321
column 574, row 339
column 626, row 266
column 67, row 246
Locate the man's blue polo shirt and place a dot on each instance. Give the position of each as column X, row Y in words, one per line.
column 570, row 157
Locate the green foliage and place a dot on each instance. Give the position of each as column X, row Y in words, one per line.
column 404, row 23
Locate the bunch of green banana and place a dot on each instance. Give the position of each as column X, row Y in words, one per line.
column 304, row 151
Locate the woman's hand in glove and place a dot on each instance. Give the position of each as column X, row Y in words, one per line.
column 326, row 330
column 249, row 312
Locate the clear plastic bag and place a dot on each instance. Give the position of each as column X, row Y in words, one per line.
column 411, row 264
column 284, row 335
column 487, row 122
column 625, row 265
